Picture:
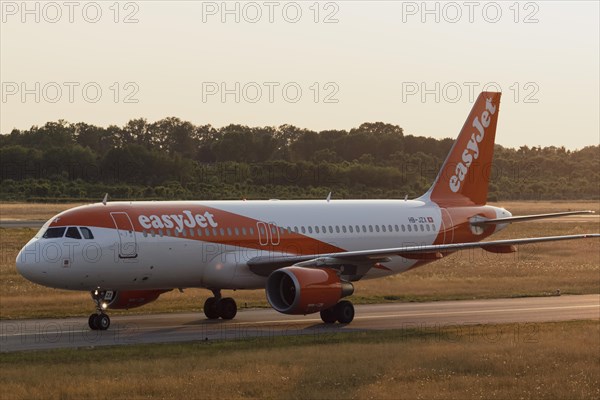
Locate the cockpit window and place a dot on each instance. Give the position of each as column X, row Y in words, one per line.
column 53, row 233
column 86, row 232
column 73, row 233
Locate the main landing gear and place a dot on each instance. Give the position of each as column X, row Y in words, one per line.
column 220, row 307
column 342, row 312
column 98, row 321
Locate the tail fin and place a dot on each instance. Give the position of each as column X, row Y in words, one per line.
column 464, row 177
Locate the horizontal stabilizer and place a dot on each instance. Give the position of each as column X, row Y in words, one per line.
column 523, row 218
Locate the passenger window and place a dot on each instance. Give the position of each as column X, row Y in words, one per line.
column 344, row 228
column 192, row 233
column 427, row 227
column 53, row 233
column 310, row 229
column 183, row 232
column 237, row 231
column 337, row 229
column 317, row 229
column 371, row 228
column 433, row 227
column 73, row 233
column 207, row 232
column 390, row 228
column 350, row 229
column 383, row 228
column 214, row 230
column 160, row 233
column 396, row 228
column 303, row 229
column 228, row 231
column 244, row 231
column 416, row 227
column 145, row 233
column 376, row 228
column 357, row 229
column 403, row 228
column 199, row 231
column 364, row 228
column 409, row 228
column 251, row 231
column 87, row 234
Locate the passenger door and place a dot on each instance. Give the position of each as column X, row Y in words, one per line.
column 126, row 232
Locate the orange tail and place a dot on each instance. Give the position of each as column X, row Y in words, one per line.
column 464, row 177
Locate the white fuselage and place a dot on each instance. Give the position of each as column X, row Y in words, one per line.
column 163, row 246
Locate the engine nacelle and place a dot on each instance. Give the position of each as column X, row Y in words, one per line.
column 129, row 298
column 298, row 290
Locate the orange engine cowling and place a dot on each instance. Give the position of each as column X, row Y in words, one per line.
column 298, row 290
column 129, row 298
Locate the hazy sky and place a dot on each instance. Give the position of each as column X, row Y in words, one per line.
column 326, row 65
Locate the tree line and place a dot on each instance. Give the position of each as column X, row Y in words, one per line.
column 175, row 159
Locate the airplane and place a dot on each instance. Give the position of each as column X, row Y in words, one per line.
column 306, row 254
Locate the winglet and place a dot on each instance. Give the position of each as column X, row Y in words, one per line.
column 105, row 199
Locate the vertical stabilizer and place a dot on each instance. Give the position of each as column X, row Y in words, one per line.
column 463, row 179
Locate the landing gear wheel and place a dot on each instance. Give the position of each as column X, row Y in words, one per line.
column 103, row 322
column 93, row 322
column 210, row 308
column 328, row 316
column 344, row 312
column 227, row 308
column 99, row 322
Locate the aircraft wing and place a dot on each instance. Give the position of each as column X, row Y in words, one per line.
column 358, row 262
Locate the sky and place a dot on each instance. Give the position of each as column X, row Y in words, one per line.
column 317, row 65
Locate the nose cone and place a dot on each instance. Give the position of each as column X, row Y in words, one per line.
column 24, row 266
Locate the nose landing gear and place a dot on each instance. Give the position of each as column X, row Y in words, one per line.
column 98, row 321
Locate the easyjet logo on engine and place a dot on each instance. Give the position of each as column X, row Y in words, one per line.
column 187, row 220
column 471, row 152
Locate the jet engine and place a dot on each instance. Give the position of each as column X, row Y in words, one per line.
column 299, row 290
column 118, row 300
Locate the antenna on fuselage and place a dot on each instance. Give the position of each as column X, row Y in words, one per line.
column 405, row 197
column 328, row 197
column 105, row 199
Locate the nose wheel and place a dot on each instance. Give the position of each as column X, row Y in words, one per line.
column 98, row 321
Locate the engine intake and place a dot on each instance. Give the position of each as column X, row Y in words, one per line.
column 298, row 290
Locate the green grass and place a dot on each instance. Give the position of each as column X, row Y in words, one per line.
column 542, row 361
